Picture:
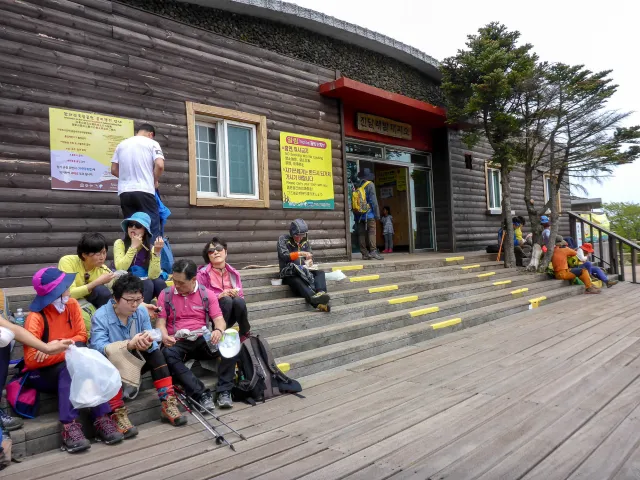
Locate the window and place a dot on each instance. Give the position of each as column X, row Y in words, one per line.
column 547, row 192
column 494, row 190
column 228, row 163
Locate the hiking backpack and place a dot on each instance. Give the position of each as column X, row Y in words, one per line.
column 359, row 202
column 259, row 377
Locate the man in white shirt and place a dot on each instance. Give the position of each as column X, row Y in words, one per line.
column 138, row 163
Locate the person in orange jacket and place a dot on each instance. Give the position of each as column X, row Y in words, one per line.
column 561, row 267
column 54, row 307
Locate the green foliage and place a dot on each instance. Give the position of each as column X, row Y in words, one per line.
column 624, row 218
column 484, row 87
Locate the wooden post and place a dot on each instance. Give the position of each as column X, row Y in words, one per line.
column 634, row 261
column 621, row 274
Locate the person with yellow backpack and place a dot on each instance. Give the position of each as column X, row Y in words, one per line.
column 366, row 213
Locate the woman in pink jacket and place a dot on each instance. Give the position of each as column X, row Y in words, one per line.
column 225, row 281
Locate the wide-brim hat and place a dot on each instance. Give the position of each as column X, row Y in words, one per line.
column 229, row 347
column 366, row 174
column 138, row 217
column 129, row 365
column 49, row 284
column 587, row 247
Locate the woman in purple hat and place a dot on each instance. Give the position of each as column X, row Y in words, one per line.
column 135, row 254
column 55, row 315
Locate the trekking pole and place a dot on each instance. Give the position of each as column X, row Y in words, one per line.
column 501, row 242
column 198, row 416
column 198, row 405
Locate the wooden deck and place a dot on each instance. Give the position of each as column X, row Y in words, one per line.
column 553, row 393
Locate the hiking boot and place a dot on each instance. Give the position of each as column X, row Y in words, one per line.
column 73, row 440
column 592, row 290
column 10, row 423
column 611, row 283
column 376, row 255
column 206, row 402
column 224, row 400
column 121, row 418
column 324, row 307
column 107, row 431
column 366, row 257
column 171, row 413
column 320, row 298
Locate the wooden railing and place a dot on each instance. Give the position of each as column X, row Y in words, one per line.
column 616, row 244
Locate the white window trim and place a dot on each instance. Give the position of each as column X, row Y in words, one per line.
column 488, row 169
column 254, row 160
column 211, row 123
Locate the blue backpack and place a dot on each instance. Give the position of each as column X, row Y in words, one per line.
column 166, row 257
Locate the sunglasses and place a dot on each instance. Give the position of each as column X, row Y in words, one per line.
column 134, row 225
column 217, row 248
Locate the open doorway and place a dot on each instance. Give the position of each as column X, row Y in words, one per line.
column 391, row 191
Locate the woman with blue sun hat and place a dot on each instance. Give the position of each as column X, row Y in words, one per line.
column 136, row 254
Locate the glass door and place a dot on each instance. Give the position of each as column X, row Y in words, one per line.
column 422, row 209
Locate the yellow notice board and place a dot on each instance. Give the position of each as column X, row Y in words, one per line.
column 82, row 145
column 307, row 173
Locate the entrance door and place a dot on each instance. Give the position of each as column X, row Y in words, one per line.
column 422, row 209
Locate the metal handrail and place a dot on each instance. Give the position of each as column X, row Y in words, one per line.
column 616, row 243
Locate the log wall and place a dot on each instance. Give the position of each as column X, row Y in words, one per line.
column 105, row 57
column 474, row 227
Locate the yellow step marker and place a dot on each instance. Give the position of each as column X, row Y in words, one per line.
column 469, row 267
column 447, row 323
column 395, row 301
column 488, row 274
column 364, row 278
column 424, row 311
column 386, row 288
column 535, row 302
column 503, row 282
column 453, row 259
column 348, row 268
column 284, row 367
column 519, row 292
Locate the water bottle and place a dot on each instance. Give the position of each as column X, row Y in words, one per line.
column 155, row 334
column 19, row 318
column 206, row 333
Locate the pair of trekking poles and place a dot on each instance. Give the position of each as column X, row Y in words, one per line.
column 194, row 408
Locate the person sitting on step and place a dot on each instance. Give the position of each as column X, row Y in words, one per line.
column 91, row 274
column 120, row 331
column 584, row 252
column 135, row 254
column 62, row 315
column 190, row 313
column 224, row 280
column 296, row 258
column 561, row 267
column 9, row 332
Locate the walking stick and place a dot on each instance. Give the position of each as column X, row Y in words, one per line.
column 198, row 416
column 210, row 412
column 501, row 242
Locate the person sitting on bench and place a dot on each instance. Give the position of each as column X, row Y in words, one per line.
column 190, row 313
column 561, row 267
column 225, row 281
column 295, row 256
column 120, row 331
column 54, row 314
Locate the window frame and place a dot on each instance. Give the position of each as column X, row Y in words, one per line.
column 221, row 118
column 547, row 178
column 488, row 167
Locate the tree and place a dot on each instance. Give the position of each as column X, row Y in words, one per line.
column 624, row 218
column 484, row 89
column 569, row 134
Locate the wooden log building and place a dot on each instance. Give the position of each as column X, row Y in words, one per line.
column 240, row 73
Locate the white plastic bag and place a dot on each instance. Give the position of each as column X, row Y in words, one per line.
column 94, row 379
column 336, row 276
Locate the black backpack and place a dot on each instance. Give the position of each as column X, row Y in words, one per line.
column 259, row 377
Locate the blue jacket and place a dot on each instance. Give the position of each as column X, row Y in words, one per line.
column 107, row 328
column 515, row 240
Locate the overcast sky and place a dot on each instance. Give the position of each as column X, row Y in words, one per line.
column 595, row 34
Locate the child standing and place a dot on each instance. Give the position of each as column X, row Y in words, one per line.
column 387, row 229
